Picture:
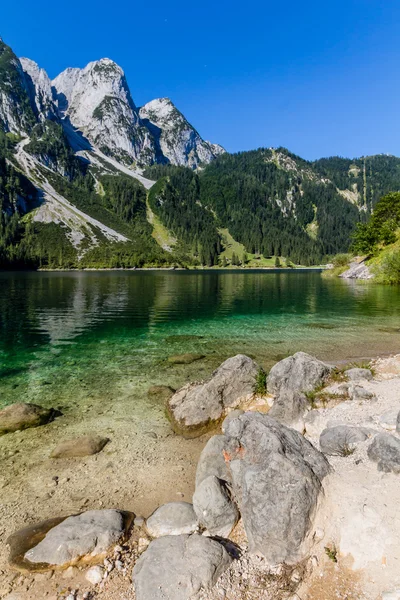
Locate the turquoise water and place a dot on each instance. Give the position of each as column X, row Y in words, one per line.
column 70, row 338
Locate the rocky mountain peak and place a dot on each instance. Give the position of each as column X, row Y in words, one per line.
column 39, row 86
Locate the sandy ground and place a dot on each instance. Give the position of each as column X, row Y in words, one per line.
column 357, row 519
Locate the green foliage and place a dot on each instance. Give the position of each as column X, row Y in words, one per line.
column 50, row 146
column 176, row 200
column 389, row 270
column 341, row 260
column 277, row 263
column 381, row 228
column 261, row 383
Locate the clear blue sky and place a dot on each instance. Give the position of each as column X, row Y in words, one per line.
column 320, row 78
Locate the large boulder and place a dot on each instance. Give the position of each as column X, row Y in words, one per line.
column 173, row 518
column 78, row 447
column 342, row 439
column 290, row 408
column 212, row 461
column 214, row 507
column 277, row 477
column 22, row 416
column 81, row 537
column 196, row 408
column 385, row 450
column 298, row 373
column 176, row 567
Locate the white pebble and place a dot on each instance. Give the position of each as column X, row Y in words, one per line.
column 95, row 575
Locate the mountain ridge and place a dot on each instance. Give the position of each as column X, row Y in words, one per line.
column 106, row 174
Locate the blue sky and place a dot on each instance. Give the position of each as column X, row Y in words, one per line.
column 321, row 78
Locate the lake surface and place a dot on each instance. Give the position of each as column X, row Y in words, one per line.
column 72, row 338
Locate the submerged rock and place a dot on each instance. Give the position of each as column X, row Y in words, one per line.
column 22, row 416
column 177, row 567
column 196, row 408
column 277, row 477
column 174, row 518
column 214, row 507
column 78, row 447
column 342, row 439
column 184, row 359
column 160, row 391
column 81, row 537
column 385, row 450
column 298, row 373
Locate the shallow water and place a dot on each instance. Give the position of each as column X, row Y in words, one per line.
column 98, row 337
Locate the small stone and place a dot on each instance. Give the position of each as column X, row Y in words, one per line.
column 139, row 521
column 70, row 572
column 357, row 374
column 143, row 544
column 173, row 518
column 389, row 420
column 119, row 565
column 83, row 446
column 95, row 575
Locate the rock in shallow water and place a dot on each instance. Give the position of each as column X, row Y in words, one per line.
column 86, row 535
column 214, row 507
column 22, row 416
column 184, row 359
column 298, row 373
column 176, row 567
column 276, row 475
column 78, row 447
column 173, row 518
column 196, row 408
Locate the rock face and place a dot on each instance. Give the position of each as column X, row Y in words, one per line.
column 83, row 446
column 174, row 137
column 22, row 416
column 214, row 507
column 298, row 373
column 357, row 374
column 277, row 477
column 174, row 518
column 357, row 270
column 196, row 408
column 290, row 408
column 176, row 567
column 39, row 87
column 212, row 461
column 90, row 533
column 341, row 440
column 385, row 450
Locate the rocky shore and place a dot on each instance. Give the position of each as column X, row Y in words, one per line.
column 290, row 488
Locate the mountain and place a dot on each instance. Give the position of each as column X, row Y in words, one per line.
column 88, row 179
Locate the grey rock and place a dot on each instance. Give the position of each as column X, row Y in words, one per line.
column 176, row 567
column 357, row 270
column 214, row 507
column 231, row 415
column 385, row 450
column 342, row 439
column 90, row 533
column 290, row 408
column 78, row 447
column 173, row 518
column 298, row 373
column 389, row 420
column 358, row 392
column 184, row 359
column 212, row 461
column 277, row 478
column 357, row 374
column 196, row 408
column 22, row 416
column 398, row 423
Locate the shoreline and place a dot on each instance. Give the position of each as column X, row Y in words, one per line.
column 169, row 269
